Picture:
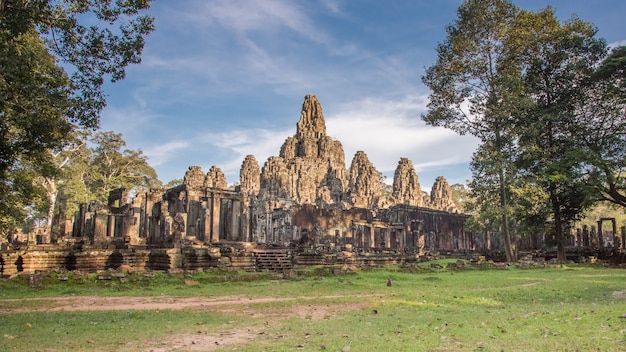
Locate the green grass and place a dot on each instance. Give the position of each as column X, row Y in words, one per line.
column 554, row 309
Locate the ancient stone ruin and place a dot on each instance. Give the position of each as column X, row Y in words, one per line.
column 303, row 202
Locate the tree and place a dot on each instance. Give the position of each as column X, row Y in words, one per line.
column 111, row 167
column 560, row 59
column 60, row 158
column 475, row 87
column 460, row 195
column 33, row 100
column 39, row 100
column 604, row 128
column 175, row 182
column 385, row 189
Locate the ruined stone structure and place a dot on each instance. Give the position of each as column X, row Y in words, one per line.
column 303, row 198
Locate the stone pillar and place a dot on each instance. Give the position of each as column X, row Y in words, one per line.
column 215, row 216
column 100, row 227
column 421, row 243
column 145, row 226
column 616, row 238
column 235, row 220
column 181, row 226
column 206, row 205
column 110, row 230
column 372, row 237
column 600, row 235
column 79, row 221
column 585, row 234
column 593, row 236
column 134, row 227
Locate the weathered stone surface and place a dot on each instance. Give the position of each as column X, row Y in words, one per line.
column 274, row 180
column 312, row 121
column 194, row 177
column 310, row 169
column 311, row 166
column 406, row 185
column 215, row 178
column 305, row 197
column 249, row 177
column 364, row 186
column 441, row 196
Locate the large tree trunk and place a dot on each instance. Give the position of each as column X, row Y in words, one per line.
column 51, row 191
column 508, row 245
column 561, row 256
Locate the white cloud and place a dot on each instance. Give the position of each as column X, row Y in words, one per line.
column 390, row 129
column 127, row 121
column 244, row 17
column 162, row 153
column 226, row 150
column 618, row 43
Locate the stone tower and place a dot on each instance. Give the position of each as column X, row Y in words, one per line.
column 310, row 168
column 406, row 185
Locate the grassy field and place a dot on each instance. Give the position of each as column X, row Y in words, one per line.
column 565, row 308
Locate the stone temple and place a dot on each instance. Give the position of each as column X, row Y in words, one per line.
column 303, row 201
column 306, row 193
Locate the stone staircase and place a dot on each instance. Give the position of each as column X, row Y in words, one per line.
column 305, row 259
column 273, row 259
column 244, row 262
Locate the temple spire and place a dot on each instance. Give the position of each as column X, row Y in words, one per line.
column 311, row 118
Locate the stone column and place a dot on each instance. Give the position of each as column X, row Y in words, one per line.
column 79, row 222
column 215, row 216
column 600, row 235
column 593, row 236
column 110, row 231
column 134, row 228
column 235, row 220
column 615, row 234
column 207, row 207
column 99, row 227
column 372, row 237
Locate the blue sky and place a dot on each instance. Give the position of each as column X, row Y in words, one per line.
column 222, row 79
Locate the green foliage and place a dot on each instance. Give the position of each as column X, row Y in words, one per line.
column 33, row 101
column 603, row 128
column 385, row 189
column 559, row 63
column 476, row 89
column 548, row 104
column 173, row 183
column 94, row 39
column 94, row 171
column 460, row 195
column 39, row 100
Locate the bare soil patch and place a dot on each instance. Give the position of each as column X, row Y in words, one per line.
column 201, row 340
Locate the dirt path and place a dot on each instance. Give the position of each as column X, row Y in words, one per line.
column 305, row 307
column 96, row 303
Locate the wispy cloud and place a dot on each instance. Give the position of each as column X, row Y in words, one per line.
column 247, row 17
column 160, row 154
column 388, row 129
column 618, row 43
